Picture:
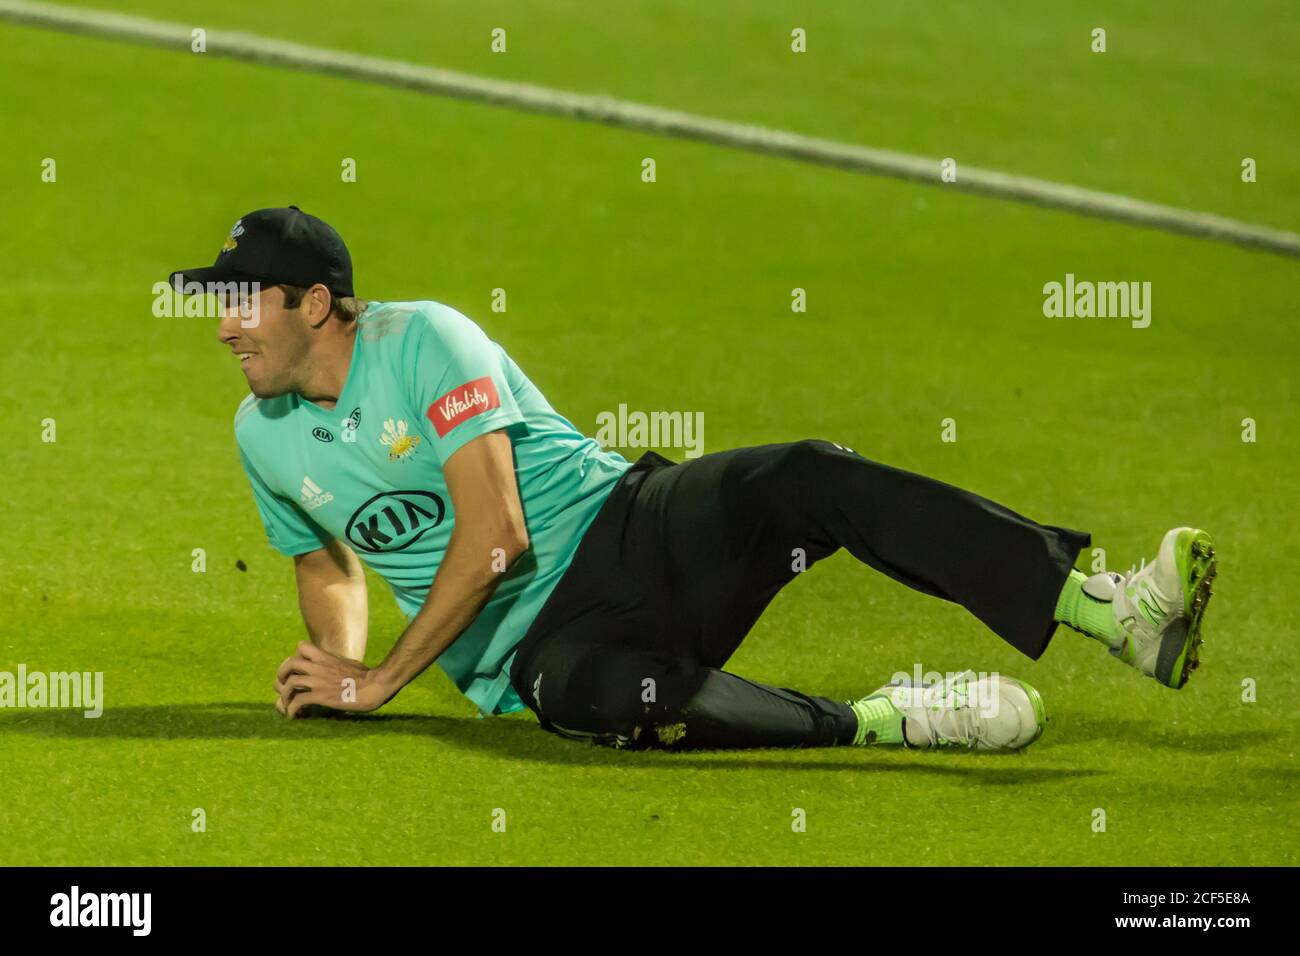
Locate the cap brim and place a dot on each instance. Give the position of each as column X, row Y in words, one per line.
column 207, row 276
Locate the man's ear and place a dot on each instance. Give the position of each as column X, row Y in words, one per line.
column 317, row 302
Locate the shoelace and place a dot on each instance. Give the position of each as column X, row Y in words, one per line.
column 963, row 726
column 945, row 705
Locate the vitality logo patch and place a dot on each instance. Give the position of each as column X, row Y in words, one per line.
column 464, row 401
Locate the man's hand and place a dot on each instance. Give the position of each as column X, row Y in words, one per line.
column 314, row 676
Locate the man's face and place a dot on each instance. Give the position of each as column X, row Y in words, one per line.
column 269, row 341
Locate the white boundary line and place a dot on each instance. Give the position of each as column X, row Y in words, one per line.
column 616, row 112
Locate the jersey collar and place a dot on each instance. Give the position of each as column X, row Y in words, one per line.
column 349, row 385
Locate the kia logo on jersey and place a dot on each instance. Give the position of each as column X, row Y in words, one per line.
column 462, row 402
column 394, row 520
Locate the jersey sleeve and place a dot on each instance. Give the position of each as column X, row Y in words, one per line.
column 460, row 381
column 288, row 529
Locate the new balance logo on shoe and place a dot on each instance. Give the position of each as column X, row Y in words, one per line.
column 1148, row 604
column 312, row 496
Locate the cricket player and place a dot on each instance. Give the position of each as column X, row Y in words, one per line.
column 540, row 570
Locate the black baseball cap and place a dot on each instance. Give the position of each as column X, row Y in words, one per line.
column 278, row 247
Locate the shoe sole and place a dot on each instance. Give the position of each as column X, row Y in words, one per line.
column 1180, row 645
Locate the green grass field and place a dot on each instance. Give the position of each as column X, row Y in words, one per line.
column 923, row 304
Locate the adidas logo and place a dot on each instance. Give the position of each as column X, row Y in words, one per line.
column 312, row 496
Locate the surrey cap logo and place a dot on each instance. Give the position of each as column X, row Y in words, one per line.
column 236, row 231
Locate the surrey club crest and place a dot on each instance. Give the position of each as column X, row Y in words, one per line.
column 400, row 445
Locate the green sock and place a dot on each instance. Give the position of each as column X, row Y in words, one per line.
column 1095, row 618
column 879, row 721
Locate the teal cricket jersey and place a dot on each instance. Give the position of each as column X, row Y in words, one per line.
column 425, row 380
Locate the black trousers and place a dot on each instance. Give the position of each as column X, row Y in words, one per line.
column 683, row 558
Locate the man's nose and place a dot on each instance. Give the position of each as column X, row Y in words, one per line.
column 229, row 326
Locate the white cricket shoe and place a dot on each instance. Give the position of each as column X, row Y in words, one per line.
column 980, row 713
column 1160, row 606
